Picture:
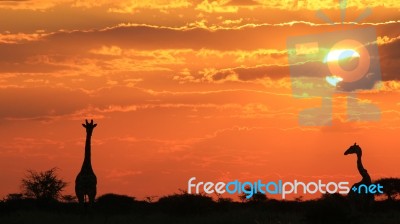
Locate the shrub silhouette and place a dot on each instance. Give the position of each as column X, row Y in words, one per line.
column 43, row 186
column 330, row 208
column 222, row 200
column 14, row 197
column 257, row 197
column 115, row 203
column 185, row 203
column 391, row 187
column 68, row 198
column 17, row 201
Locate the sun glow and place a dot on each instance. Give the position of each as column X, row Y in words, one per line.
column 340, row 54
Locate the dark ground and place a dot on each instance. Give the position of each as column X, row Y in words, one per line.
column 197, row 209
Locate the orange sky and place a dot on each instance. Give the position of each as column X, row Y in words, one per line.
column 180, row 89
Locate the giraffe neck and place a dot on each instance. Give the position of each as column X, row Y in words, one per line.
column 87, row 163
column 363, row 172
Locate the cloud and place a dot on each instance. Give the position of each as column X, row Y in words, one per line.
column 246, row 73
column 134, row 6
column 213, row 6
column 388, row 86
column 246, row 36
column 325, row 4
column 102, row 100
column 39, row 5
column 105, row 50
column 390, row 58
column 20, row 37
column 98, row 14
column 127, row 6
column 243, row 2
column 118, row 6
column 233, row 6
column 185, row 76
column 387, row 40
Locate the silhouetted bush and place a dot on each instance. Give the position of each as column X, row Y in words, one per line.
column 68, row 198
column 195, row 209
column 256, row 197
column 14, row 202
column 330, row 208
column 222, row 200
column 391, row 187
column 14, row 197
column 185, row 203
column 115, row 203
column 44, row 186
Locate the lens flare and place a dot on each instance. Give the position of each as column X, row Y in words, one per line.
column 333, row 80
column 341, row 54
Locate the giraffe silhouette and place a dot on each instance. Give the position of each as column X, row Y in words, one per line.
column 360, row 200
column 86, row 181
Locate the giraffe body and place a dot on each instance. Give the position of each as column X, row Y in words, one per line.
column 86, row 181
column 360, row 200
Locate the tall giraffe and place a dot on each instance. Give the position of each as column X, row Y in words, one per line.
column 85, row 183
column 361, row 200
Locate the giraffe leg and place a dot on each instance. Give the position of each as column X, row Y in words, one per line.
column 81, row 198
column 92, row 196
column 79, row 195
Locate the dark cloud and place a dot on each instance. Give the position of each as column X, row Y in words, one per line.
column 390, row 60
column 251, row 73
column 62, row 45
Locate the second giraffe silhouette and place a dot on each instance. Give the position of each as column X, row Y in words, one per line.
column 360, row 200
column 86, row 181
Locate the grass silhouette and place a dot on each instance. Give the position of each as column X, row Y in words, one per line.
column 188, row 208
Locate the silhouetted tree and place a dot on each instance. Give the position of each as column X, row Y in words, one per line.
column 43, row 186
column 391, row 187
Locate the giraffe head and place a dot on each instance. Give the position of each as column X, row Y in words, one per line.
column 89, row 126
column 354, row 149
